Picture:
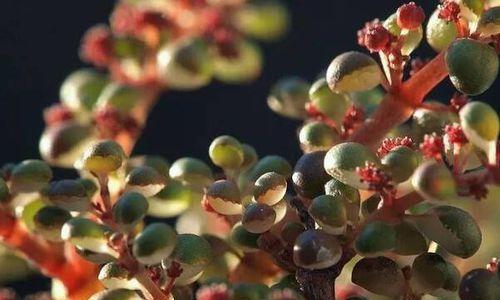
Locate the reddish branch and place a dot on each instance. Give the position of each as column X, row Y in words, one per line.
column 78, row 276
column 398, row 105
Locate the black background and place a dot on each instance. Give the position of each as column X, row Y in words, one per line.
column 38, row 48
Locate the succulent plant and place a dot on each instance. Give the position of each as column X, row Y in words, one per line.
column 381, row 191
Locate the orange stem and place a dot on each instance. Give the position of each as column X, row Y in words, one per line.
column 140, row 114
column 399, row 105
column 51, row 260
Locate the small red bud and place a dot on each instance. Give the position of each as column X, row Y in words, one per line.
column 410, row 16
column 457, row 102
column 377, row 179
column 374, row 36
column 456, row 134
column 390, row 143
column 432, row 146
column 56, row 114
column 449, row 10
column 97, row 46
column 377, row 38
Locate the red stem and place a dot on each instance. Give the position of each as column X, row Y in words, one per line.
column 70, row 269
column 400, row 104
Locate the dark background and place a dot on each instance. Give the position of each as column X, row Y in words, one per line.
column 38, row 48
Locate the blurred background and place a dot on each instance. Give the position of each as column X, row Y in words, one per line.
column 39, row 43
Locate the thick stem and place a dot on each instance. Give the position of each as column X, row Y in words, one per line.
column 424, row 81
column 72, row 271
column 140, row 114
column 399, row 105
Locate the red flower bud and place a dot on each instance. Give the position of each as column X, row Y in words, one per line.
column 456, row 134
column 374, row 36
column 432, row 146
column 97, row 46
column 449, row 10
column 56, row 114
column 457, row 102
column 410, row 16
column 390, row 143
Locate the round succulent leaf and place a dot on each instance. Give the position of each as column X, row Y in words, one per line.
column 342, row 160
column 350, row 196
column 427, row 121
column 155, row 243
column 191, row 171
column 452, row 228
column 368, row 100
column 472, row 65
column 489, row 23
column 317, row 136
column 375, row 238
column 81, row 89
column 481, row 125
column 49, row 220
column 250, row 157
column 352, row 72
column 103, row 157
column 113, row 276
column 333, row 105
column 471, row 6
column 242, row 67
column 145, row 180
column 288, row 97
column 434, row 182
column 90, row 186
column 309, row 176
column 429, row 273
column 193, row 253
column 479, row 284
column 330, row 213
column 263, row 20
column 270, row 188
column 379, row 275
column 86, row 234
column 171, row 201
column 130, row 209
column 281, row 209
column 440, row 33
column 270, row 163
column 64, row 143
column 224, row 197
column 68, row 194
column 409, row 241
column 30, row 176
column 226, row 152
column 400, row 163
column 258, row 217
column 94, row 257
column 186, row 64
column 157, row 162
column 244, row 238
column 451, row 283
column 314, row 249
column 27, row 212
column 120, row 97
